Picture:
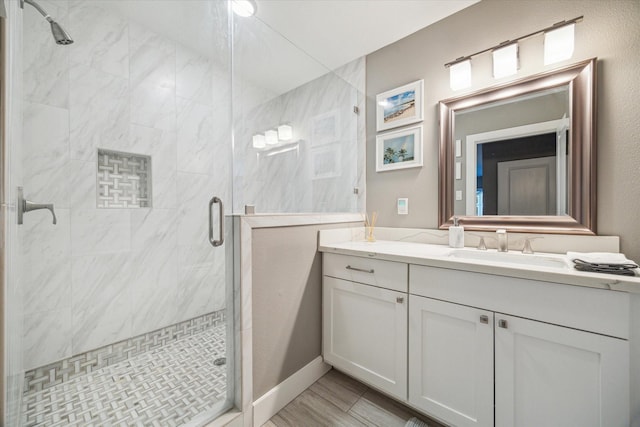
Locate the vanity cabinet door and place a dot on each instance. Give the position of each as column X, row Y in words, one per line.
column 548, row 375
column 451, row 361
column 365, row 333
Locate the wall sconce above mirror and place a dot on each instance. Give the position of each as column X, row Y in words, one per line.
column 558, row 46
column 521, row 156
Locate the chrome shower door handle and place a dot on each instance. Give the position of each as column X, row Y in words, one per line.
column 220, row 241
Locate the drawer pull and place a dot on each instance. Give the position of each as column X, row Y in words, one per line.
column 484, row 319
column 359, row 269
column 502, row 323
column 399, row 300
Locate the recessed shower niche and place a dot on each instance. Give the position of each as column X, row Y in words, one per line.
column 124, row 180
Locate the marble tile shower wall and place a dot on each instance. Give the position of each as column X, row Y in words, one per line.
column 321, row 173
column 103, row 275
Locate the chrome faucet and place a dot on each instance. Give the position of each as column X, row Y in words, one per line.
column 503, row 243
column 25, row 206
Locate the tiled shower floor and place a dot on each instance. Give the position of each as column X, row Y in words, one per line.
column 167, row 386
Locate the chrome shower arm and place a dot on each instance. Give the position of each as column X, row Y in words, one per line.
column 38, row 8
column 59, row 34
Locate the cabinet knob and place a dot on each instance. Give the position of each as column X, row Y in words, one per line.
column 484, row 319
column 502, row 323
column 399, row 300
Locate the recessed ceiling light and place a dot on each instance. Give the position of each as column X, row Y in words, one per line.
column 244, row 8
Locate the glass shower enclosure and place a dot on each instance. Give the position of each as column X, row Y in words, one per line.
column 161, row 121
column 121, row 308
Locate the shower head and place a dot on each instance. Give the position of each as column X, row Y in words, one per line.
column 59, row 33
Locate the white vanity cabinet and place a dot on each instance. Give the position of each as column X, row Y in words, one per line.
column 555, row 376
column 451, row 361
column 546, row 371
column 365, row 320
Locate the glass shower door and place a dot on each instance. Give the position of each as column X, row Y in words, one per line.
column 125, row 306
column 299, row 133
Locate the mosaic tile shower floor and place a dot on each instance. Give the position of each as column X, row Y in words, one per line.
column 164, row 387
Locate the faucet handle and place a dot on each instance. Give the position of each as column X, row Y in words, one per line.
column 482, row 246
column 527, row 249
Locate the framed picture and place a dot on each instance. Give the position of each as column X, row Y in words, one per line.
column 400, row 106
column 325, row 161
column 325, row 128
column 399, row 149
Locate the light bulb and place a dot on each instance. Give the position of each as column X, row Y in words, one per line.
column 244, row 8
column 271, row 137
column 259, row 141
column 505, row 61
column 559, row 44
column 285, row 132
column 460, row 75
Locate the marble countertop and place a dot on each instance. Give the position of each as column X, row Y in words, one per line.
column 438, row 255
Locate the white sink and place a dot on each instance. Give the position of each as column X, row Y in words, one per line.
column 510, row 258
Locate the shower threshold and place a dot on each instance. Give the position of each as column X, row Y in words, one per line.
column 167, row 386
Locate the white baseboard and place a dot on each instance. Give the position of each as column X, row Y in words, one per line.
column 278, row 397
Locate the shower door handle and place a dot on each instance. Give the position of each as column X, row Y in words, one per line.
column 220, row 241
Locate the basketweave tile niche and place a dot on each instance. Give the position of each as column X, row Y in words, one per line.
column 124, row 180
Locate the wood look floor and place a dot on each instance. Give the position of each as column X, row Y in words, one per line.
column 338, row 400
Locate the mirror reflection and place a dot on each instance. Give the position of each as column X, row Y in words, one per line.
column 512, row 155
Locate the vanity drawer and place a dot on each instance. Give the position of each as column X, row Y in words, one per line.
column 594, row 310
column 384, row 274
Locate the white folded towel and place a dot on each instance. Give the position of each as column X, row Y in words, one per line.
column 600, row 257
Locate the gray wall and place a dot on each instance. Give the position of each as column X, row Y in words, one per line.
column 287, row 302
column 609, row 31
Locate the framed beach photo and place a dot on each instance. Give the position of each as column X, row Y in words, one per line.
column 400, row 106
column 399, row 149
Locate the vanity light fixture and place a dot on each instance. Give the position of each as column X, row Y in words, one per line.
column 460, row 74
column 271, row 137
column 558, row 44
column 259, row 141
column 505, row 60
column 558, row 38
column 282, row 135
column 285, row 132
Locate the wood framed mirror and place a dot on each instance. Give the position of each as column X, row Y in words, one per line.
column 522, row 156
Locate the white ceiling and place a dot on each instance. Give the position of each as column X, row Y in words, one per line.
column 288, row 42
column 336, row 32
column 291, row 42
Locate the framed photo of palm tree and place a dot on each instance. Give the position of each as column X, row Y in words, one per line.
column 399, row 149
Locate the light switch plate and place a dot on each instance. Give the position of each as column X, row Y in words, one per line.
column 458, row 194
column 458, row 148
column 403, row 206
column 458, row 170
